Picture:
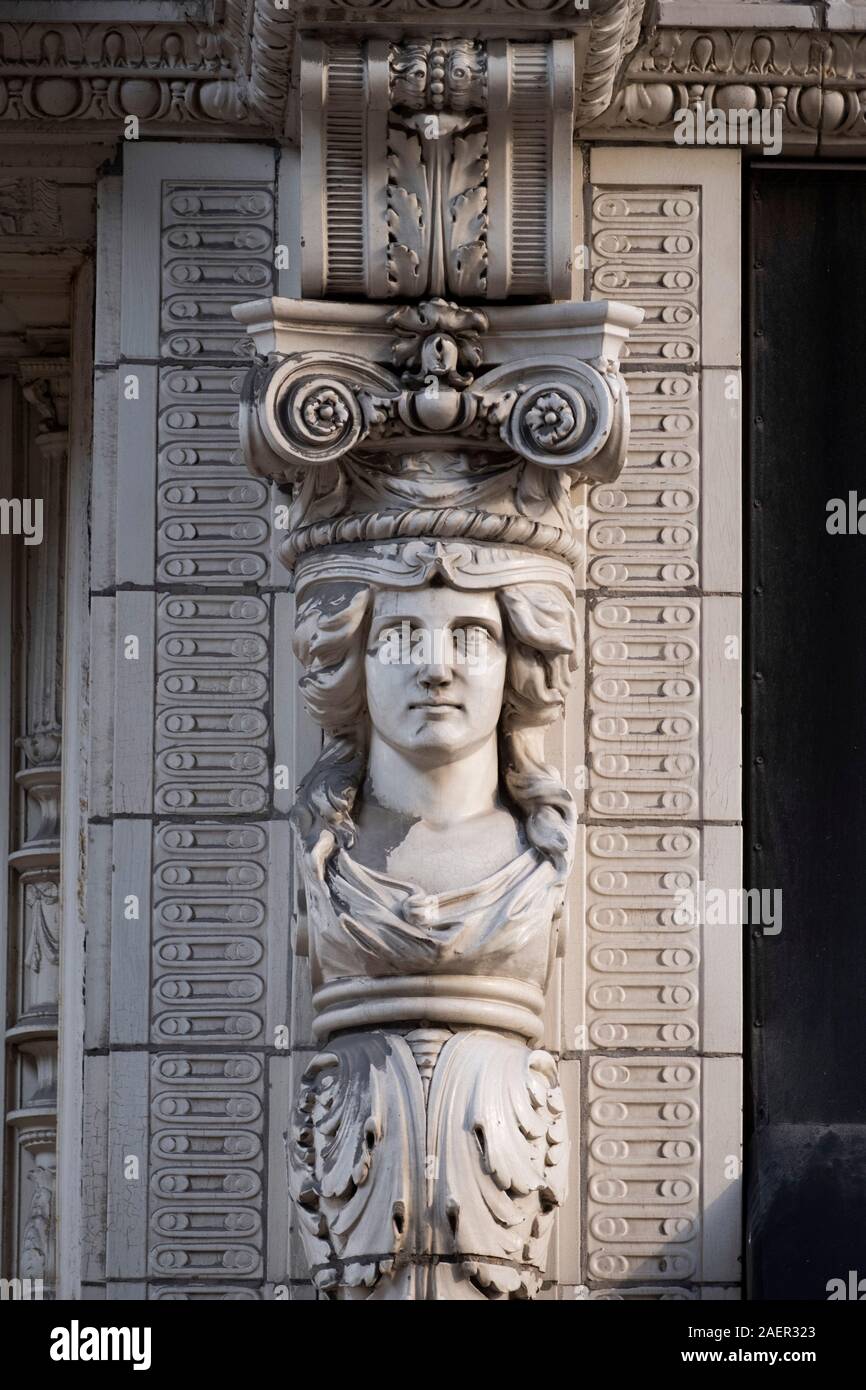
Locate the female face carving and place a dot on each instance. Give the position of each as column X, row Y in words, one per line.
column 435, row 671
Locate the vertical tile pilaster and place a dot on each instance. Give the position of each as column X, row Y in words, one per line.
column 664, row 702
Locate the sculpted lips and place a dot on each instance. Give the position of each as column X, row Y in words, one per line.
column 436, row 704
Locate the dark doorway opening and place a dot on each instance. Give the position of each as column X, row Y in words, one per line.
column 806, row 727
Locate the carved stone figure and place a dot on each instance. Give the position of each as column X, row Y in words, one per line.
column 435, row 870
column 432, row 537
column 37, row 1257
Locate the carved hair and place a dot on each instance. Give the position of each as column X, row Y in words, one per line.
column 331, row 642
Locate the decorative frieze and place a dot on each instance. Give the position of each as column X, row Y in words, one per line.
column 239, row 75
column 646, row 244
column 217, row 246
column 643, row 961
column 814, row 80
column 212, row 522
column 206, row 1169
column 212, row 657
column 644, row 1166
column 642, row 533
column 63, row 71
column 659, row 1152
column 644, row 684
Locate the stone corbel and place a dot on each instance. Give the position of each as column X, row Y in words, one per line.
column 444, row 166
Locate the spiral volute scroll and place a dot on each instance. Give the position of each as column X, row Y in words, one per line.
column 563, row 414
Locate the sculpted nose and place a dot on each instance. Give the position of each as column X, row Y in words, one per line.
column 435, row 673
column 434, row 655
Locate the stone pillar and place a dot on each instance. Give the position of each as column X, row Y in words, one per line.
column 32, row 1034
column 434, row 444
column 186, row 1037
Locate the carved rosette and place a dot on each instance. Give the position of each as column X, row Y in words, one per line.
column 440, row 445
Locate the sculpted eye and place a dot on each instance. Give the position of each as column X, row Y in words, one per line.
column 392, row 643
column 471, row 641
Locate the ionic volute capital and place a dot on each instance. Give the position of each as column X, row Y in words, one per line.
column 532, row 396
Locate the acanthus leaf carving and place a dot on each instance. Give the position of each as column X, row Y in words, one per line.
column 437, row 167
column 408, row 212
column 468, row 209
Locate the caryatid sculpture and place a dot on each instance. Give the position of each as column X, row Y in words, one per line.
column 431, row 452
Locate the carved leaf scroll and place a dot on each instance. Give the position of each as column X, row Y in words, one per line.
column 408, row 214
column 467, row 246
